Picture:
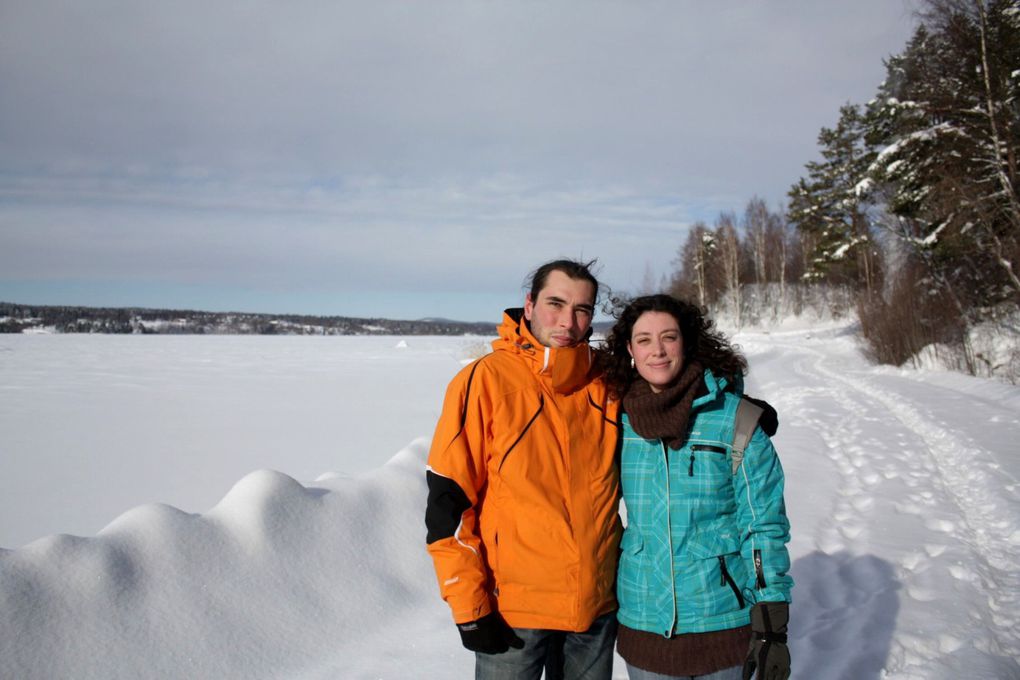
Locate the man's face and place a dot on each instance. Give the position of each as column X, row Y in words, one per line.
column 562, row 314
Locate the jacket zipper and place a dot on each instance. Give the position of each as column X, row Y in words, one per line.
column 702, row 447
column 726, row 579
column 669, row 541
column 708, row 447
column 758, row 571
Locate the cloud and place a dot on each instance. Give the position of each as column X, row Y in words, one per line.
column 419, row 145
column 220, row 231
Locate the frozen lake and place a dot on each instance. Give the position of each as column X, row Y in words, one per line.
column 94, row 425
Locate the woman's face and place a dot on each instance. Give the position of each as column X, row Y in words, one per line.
column 657, row 348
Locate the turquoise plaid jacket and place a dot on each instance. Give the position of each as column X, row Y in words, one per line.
column 702, row 544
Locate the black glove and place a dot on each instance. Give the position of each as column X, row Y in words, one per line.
column 768, row 652
column 769, row 419
column 489, row 635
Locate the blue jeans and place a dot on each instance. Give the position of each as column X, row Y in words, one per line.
column 735, row 673
column 584, row 656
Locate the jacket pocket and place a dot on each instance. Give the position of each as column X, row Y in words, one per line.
column 708, row 447
column 713, row 573
column 527, row 426
column 727, row 580
column 631, row 576
column 708, row 460
column 709, row 543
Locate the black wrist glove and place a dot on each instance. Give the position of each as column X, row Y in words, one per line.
column 768, row 653
column 489, row 635
column 769, row 419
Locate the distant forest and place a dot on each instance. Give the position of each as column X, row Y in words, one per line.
column 17, row 318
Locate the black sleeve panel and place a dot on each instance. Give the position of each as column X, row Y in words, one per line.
column 447, row 502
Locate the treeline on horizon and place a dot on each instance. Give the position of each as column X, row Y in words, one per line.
column 912, row 214
column 16, row 318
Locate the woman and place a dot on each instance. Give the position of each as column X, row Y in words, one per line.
column 703, row 566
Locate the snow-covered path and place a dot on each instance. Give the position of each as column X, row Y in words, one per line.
column 901, row 488
column 905, row 509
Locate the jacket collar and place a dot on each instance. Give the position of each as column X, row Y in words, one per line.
column 567, row 368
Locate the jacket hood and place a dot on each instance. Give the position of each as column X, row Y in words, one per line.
column 567, row 368
column 714, row 387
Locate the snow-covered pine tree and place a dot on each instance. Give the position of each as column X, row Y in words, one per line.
column 947, row 122
column 829, row 206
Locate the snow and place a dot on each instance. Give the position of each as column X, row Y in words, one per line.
column 918, row 136
column 864, row 187
column 96, row 424
column 902, row 489
column 995, row 348
column 932, row 238
column 894, row 166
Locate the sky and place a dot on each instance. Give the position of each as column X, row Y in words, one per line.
column 399, row 159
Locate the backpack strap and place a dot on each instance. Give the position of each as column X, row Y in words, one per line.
column 743, row 428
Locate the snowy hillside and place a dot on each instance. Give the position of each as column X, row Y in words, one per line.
column 902, row 491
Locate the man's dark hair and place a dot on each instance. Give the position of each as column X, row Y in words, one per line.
column 579, row 271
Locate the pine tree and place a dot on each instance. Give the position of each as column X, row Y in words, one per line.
column 830, row 205
column 947, row 120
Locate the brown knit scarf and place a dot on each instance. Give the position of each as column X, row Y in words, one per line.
column 664, row 415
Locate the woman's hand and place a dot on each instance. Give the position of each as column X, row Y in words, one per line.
column 768, row 653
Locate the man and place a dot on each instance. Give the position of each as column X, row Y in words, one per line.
column 522, row 516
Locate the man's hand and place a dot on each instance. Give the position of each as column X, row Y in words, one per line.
column 489, row 635
column 768, row 653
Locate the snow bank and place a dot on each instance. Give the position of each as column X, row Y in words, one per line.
column 995, row 346
column 278, row 580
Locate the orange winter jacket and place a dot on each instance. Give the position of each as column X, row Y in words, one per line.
column 524, row 490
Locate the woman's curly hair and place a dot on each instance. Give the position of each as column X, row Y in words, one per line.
column 702, row 342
